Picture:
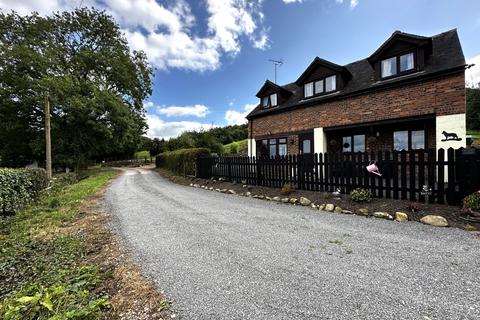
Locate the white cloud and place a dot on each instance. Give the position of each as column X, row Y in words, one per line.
column 353, row 3
column 166, row 31
column 197, row 110
column 292, row 1
column 472, row 74
column 234, row 117
column 158, row 128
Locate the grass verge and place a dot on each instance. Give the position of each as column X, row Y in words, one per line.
column 59, row 261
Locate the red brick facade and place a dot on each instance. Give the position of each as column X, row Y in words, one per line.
column 440, row 96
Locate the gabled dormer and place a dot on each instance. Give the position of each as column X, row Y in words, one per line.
column 322, row 77
column 401, row 54
column 272, row 95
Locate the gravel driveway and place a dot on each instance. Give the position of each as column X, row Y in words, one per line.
column 219, row 256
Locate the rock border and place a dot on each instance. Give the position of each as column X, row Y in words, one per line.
column 398, row 216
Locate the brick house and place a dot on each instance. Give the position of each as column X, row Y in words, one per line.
column 404, row 96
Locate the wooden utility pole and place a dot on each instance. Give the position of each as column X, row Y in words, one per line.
column 48, row 141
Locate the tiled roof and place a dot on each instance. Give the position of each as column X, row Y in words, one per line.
column 446, row 55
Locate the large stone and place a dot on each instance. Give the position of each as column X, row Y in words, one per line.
column 329, row 207
column 436, row 221
column 285, row 200
column 313, row 206
column 321, row 207
column 401, row 216
column 277, row 198
column 268, row 198
column 248, row 194
column 261, row 197
column 293, row 200
column 305, row 201
column 347, row 212
column 362, row 212
column 382, row 215
column 338, row 210
column 231, row 191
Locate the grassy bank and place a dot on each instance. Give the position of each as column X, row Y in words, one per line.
column 42, row 274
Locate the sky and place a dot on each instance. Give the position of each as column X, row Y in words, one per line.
column 212, row 56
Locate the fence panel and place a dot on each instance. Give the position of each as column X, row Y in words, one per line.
column 448, row 176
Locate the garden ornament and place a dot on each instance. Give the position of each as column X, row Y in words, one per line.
column 372, row 168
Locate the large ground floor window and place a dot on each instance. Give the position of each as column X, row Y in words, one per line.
column 272, row 147
column 408, row 140
column 355, row 143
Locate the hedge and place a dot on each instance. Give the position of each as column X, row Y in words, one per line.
column 181, row 161
column 18, row 187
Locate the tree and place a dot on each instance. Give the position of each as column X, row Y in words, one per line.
column 158, row 146
column 95, row 84
column 473, row 109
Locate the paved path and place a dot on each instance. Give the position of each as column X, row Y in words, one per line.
column 219, row 256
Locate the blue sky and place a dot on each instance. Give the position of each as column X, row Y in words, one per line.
column 211, row 56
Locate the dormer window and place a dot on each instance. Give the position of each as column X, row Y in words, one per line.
column 269, row 101
column 397, row 65
column 318, row 87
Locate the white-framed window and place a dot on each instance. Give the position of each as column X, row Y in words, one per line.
column 389, row 67
column 319, row 86
column 308, row 89
column 273, row 100
column 331, row 83
column 406, row 62
column 265, row 101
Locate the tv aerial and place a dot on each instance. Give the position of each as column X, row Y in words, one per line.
column 276, row 64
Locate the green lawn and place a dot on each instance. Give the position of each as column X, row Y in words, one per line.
column 41, row 270
column 476, row 136
column 142, row 154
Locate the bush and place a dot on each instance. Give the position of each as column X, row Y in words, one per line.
column 181, row 161
column 287, row 189
column 361, row 195
column 64, row 179
column 18, row 187
column 472, row 201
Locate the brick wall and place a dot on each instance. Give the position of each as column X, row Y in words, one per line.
column 441, row 96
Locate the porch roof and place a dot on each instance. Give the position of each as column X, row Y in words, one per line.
column 381, row 122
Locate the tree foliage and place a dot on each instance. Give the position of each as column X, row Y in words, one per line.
column 473, row 108
column 212, row 139
column 95, row 84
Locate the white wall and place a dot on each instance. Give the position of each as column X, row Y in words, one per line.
column 319, row 141
column 252, row 148
column 455, row 123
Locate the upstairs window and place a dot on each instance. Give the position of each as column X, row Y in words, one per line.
column 269, row 101
column 406, row 62
column 273, row 100
column 389, row 67
column 331, row 83
column 318, row 87
column 308, row 89
column 398, row 65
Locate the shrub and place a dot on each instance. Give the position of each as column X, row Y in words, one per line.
column 64, row 179
column 181, row 161
column 472, row 201
column 287, row 189
column 361, row 195
column 18, row 187
column 325, row 195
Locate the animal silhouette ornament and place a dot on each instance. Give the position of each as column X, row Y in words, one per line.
column 450, row 136
column 372, row 168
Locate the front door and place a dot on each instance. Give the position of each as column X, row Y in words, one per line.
column 305, row 142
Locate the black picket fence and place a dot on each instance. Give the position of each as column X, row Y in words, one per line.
column 415, row 175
